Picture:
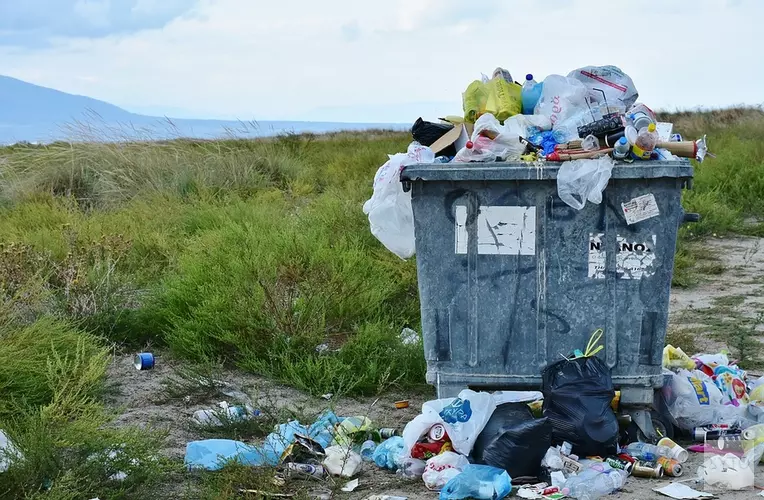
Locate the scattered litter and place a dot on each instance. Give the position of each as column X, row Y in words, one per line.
column 390, row 454
column 681, row 492
column 143, row 361
column 342, row 461
column 226, row 413
column 440, row 469
column 322, row 348
column 480, row 482
column 350, row 486
column 266, row 493
column 320, row 494
column 401, row 404
column 410, row 337
column 8, row 452
column 385, row 497
column 327, row 396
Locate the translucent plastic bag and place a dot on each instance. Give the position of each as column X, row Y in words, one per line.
column 440, row 469
column 464, row 418
column 492, row 140
column 480, row 482
column 390, row 454
column 581, row 180
column 562, row 101
column 389, row 209
column 496, row 96
column 618, row 87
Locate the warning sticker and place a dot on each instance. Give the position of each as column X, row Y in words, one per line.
column 634, row 260
column 501, row 230
column 639, row 209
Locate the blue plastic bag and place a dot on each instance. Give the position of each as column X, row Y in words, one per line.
column 389, row 454
column 481, row 482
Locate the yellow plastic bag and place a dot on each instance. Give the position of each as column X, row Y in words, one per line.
column 674, row 357
column 497, row 96
column 350, row 427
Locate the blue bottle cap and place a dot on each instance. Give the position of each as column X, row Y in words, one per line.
column 622, row 140
column 529, row 77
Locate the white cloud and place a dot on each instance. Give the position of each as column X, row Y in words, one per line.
column 268, row 60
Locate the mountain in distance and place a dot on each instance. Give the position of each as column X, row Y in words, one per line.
column 33, row 113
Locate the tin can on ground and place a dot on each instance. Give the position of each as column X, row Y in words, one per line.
column 621, row 464
column 388, row 432
column 402, row 404
column 305, row 470
column 143, row 361
column 436, row 433
column 701, row 434
column 677, row 452
column 670, row 466
column 647, row 469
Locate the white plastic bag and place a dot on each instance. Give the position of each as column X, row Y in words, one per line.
column 440, row 469
column 618, row 87
column 694, row 400
column 492, row 140
column 464, row 418
column 389, row 209
column 563, row 101
column 341, row 461
column 581, row 180
column 8, row 452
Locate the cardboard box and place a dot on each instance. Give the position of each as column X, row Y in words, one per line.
column 458, row 136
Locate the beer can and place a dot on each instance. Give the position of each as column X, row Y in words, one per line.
column 702, row 434
column 670, row 466
column 647, row 469
column 621, row 464
column 305, row 470
column 677, row 452
column 388, row 432
column 437, row 433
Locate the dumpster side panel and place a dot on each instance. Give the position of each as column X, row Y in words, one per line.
column 511, row 279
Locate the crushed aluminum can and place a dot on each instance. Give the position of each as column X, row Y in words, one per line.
column 649, row 470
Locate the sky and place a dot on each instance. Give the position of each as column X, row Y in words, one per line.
column 372, row 60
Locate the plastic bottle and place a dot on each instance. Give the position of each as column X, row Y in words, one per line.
column 643, row 147
column 590, row 486
column 367, row 450
column 621, row 149
column 531, row 94
column 649, row 452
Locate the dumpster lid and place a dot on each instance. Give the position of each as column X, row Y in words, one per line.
column 539, row 171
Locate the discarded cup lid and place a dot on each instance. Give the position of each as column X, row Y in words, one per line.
column 143, row 361
column 402, row 404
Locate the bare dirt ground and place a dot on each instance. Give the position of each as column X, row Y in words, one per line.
column 727, row 300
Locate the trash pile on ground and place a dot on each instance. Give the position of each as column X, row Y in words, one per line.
column 563, row 442
column 589, row 120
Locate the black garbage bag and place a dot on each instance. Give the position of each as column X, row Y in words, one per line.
column 577, row 397
column 513, row 440
column 426, row 133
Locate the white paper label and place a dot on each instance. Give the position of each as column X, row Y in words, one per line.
column 596, row 257
column 633, row 259
column 501, row 230
column 639, row 209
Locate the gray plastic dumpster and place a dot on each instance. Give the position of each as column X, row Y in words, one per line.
column 511, row 278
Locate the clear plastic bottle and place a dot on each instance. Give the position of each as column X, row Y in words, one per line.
column 595, row 484
column 531, row 93
column 643, row 147
column 622, row 149
column 649, row 452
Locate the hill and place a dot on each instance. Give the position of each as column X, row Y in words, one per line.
column 33, row 113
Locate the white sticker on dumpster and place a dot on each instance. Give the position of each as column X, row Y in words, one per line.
column 501, row 230
column 596, row 257
column 635, row 259
column 641, row 208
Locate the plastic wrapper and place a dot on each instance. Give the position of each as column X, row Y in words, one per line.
column 582, row 180
column 513, row 440
column 492, row 140
column 464, row 418
column 617, row 86
column 563, row 101
column 342, row 461
column 480, row 482
column 8, row 452
column 348, row 428
column 731, row 382
column 440, row 469
column 390, row 214
column 577, row 397
column 496, row 96
column 674, row 358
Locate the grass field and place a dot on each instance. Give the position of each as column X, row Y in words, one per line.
column 249, row 253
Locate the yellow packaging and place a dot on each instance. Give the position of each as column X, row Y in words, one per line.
column 674, row 357
column 616, row 400
column 497, row 96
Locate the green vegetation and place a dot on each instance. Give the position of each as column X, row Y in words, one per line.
column 253, row 254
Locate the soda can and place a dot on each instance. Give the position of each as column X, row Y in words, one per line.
column 388, row 432
column 677, row 452
column 647, row 469
column 143, row 361
column 305, row 470
column 670, row 466
column 621, row 464
column 436, row 433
